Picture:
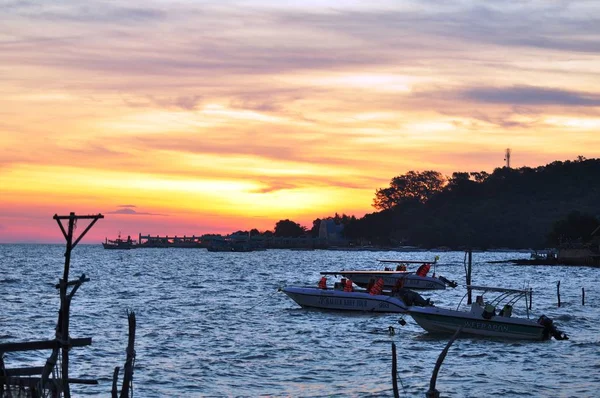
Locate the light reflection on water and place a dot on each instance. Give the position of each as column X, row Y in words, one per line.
column 213, row 324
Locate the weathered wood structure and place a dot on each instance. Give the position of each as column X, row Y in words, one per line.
column 53, row 379
column 129, row 363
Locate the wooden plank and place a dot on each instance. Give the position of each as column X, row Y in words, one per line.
column 37, row 370
column 74, row 282
column 33, row 381
column 42, row 345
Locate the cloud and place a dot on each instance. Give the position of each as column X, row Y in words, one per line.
column 92, row 12
column 530, row 95
column 519, row 96
column 188, row 103
column 127, row 210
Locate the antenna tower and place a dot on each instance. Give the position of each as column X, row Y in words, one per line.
column 507, row 157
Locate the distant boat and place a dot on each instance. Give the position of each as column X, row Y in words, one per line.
column 119, row 244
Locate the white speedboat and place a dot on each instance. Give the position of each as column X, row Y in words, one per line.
column 334, row 299
column 483, row 320
column 398, row 277
column 358, row 300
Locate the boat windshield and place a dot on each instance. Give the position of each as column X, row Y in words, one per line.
column 503, row 296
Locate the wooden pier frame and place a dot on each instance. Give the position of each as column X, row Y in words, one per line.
column 57, row 363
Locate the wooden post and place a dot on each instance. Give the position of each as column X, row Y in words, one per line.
column 3, row 374
column 433, row 393
column 62, row 327
column 469, row 269
column 582, row 296
column 558, row 292
column 114, row 391
column 530, row 297
column 394, row 372
column 128, row 369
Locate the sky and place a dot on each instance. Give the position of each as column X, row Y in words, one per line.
column 192, row 117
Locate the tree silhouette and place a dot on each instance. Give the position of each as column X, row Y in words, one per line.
column 289, row 229
column 412, row 186
column 577, row 227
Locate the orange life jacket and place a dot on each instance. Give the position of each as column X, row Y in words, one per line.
column 423, row 270
column 377, row 288
column 323, row 283
column 370, row 285
column 348, row 286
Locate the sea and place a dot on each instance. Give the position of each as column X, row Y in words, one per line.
column 216, row 325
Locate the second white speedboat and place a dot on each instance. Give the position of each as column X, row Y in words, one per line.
column 483, row 320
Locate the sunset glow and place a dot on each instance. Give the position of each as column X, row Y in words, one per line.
column 212, row 117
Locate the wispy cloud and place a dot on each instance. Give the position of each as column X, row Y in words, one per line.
column 129, row 211
column 530, row 95
column 266, row 107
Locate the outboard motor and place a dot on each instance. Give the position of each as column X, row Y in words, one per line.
column 550, row 330
column 448, row 281
column 413, row 298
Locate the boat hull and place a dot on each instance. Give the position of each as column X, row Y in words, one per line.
column 338, row 300
column 112, row 246
column 443, row 321
column 411, row 281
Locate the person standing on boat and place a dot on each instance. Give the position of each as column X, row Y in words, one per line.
column 377, row 288
column 323, row 283
column 348, row 285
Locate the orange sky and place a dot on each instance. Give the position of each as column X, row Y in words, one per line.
column 208, row 117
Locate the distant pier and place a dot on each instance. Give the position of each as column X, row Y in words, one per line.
column 208, row 241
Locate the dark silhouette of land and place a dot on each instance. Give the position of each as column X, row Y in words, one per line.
column 517, row 208
column 556, row 205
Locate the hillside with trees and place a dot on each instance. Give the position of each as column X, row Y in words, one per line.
column 513, row 208
column 518, row 208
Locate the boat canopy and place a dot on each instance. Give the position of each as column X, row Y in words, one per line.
column 408, row 261
column 497, row 289
column 364, row 272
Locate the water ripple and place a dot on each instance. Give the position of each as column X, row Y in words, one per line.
column 213, row 325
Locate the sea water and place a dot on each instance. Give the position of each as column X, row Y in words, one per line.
column 215, row 325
